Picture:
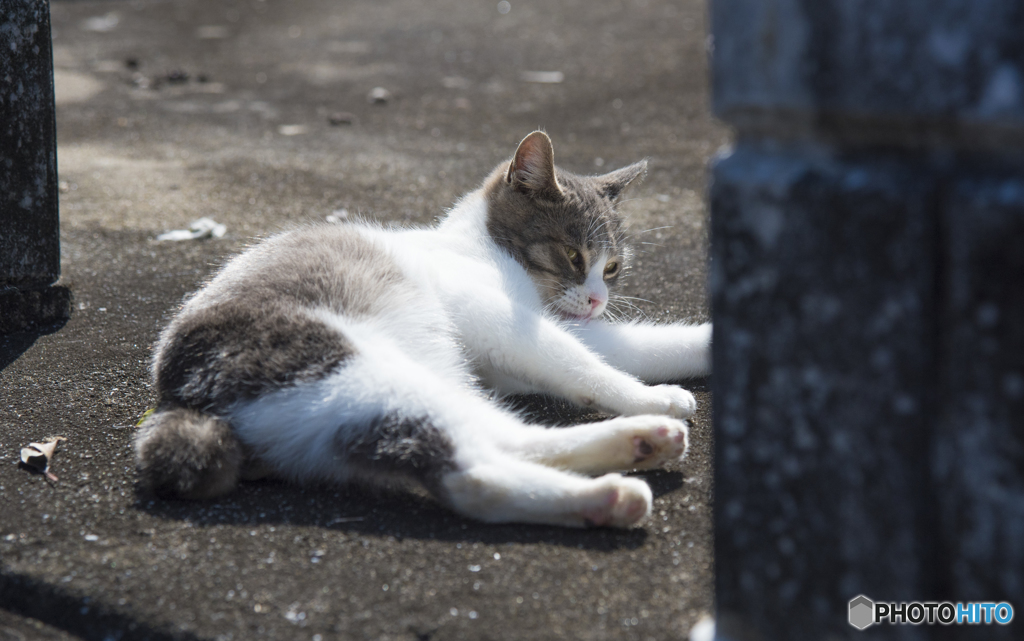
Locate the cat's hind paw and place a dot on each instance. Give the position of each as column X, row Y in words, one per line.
column 617, row 502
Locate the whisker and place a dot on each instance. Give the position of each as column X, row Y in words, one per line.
column 622, row 297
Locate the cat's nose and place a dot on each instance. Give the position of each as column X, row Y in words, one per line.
column 594, row 302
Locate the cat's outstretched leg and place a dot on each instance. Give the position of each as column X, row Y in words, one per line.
column 503, row 489
column 385, row 416
column 652, row 353
column 625, row 443
column 537, row 354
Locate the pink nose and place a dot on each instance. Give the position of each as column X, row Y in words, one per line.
column 594, row 302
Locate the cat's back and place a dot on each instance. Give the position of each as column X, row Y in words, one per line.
column 270, row 316
column 346, row 268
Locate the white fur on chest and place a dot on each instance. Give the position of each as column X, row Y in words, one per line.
column 478, row 291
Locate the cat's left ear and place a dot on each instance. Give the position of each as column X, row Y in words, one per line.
column 611, row 185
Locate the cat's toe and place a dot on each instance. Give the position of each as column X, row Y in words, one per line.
column 618, row 502
column 664, row 441
column 671, row 400
column 683, row 403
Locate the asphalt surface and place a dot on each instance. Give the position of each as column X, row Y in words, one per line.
column 257, row 114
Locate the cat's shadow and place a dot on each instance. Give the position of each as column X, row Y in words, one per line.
column 399, row 514
column 402, row 514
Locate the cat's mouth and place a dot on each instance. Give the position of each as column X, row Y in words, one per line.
column 564, row 315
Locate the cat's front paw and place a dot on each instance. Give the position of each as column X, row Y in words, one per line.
column 667, row 400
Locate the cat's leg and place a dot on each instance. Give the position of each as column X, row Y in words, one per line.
column 653, row 353
column 619, row 444
column 503, row 489
column 537, row 354
column 441, row 436
column 384, row 416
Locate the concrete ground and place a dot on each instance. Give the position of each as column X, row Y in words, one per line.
column 256, row 113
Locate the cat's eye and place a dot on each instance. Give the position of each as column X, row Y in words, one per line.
column 611, row 269
column 574, row 256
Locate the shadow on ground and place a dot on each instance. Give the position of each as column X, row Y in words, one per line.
column 12, row 346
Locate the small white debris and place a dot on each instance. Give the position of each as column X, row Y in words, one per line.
column 91, row 537
column 378, row 96
column 504, row 7
column 543, row 77
column 497, row 557
column 474, row 568
column 294, row 614
column 337, row 216
column 292, row 130
column 202, row 228
column 663, row 198
column 704, row 630
column 102, row 24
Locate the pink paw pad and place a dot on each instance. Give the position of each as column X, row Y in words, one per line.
column 632, row 509
column 642, row 450
column 659, row 444
column 600, row 515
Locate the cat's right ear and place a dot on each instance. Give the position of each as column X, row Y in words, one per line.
column 532, row 170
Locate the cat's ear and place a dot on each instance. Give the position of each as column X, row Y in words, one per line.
column 612, row 184
column 532, row 170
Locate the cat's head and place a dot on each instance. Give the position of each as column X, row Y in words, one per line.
column 562, row 227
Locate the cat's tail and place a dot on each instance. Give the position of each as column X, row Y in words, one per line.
column 182, row 453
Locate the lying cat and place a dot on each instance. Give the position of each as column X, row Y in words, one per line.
column 357, row 353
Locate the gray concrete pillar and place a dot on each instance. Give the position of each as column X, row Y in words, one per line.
column 29, row 234
column 868, row 297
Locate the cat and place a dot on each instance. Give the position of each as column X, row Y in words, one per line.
column 357, row 353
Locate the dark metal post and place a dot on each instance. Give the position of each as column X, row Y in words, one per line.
column 29, row 234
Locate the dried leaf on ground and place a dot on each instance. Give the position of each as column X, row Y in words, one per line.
column 37, row 456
